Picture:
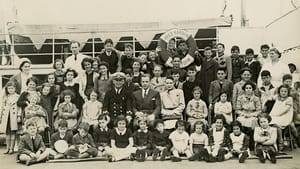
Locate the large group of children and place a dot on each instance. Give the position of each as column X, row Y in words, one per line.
column 218, row 116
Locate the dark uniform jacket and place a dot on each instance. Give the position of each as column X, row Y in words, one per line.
column 116, row 104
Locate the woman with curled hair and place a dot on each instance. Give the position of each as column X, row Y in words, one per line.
column 71, row 84
column 247, row 108
column 87, row 78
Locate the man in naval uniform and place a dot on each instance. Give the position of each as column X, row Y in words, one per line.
column 117, row 101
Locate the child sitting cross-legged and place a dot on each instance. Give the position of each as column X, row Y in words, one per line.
column 62, row 136
column 219, row 140
column 83, row 145
column 101, row 135
column 160, row 141
column 142, row 140
column 121, row 141
column 180, row 141
column 32, row 148
column 199, row 142
column 239, row 142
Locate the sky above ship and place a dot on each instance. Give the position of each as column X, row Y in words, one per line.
column 258, row 12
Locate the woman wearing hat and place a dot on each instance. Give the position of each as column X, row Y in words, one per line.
column 21, row 77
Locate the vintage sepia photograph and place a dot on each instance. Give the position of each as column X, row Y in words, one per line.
column 139, row 84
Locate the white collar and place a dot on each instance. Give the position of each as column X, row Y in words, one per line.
column 144, row 131
column 146, row 90
column 119, row 132
column 247, row 62
column 26, row 75
column 62, row 136
column 65, row 103
column 105, row 129
column 108, row 53
column 69, row 83
column 118, row 90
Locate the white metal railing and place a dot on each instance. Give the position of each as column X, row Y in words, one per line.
column 92, row 36
column 47, row 68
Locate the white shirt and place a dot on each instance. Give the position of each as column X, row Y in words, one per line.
column 263, row 60
column 121, row 133
column 75, row 64
column 145, row 92
column 24, row 78
column 118, row 91
column 179, row 140
column 277, row 71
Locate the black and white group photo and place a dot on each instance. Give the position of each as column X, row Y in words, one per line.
column 161, row 83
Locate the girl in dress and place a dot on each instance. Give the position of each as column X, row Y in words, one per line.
column 199, row 142
column 92, row 109
column 121, row 141
column 10, row 115
column 196, row 108
column 218, row 141
column 180, row 140
column 282, row 112
column 223, row 106
column 46, row 98
column 67, row 110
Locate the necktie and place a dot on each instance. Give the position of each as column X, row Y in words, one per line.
column 145, row 93
column 221, row 85
column 75, row 57
column 157, row 80
column 32, row 139
column 176, row 85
